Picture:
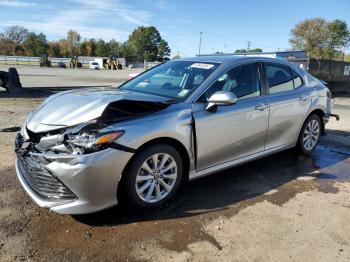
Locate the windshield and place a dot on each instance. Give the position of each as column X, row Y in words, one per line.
column 174, row 79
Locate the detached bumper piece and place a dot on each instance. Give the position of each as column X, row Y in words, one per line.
column 41, row 181
column 337, row 117
column 328, row 116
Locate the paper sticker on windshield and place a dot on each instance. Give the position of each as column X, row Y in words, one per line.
column 183, row 92
column 202, row 65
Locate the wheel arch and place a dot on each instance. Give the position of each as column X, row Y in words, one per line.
column 160, row 140
column 317, row 111
column 174, row 143
column 320, row 113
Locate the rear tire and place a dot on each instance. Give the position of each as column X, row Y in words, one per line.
column 309, row 135
column 153, row 177
column 5, row 84
column 2, row 82
column 15, row 77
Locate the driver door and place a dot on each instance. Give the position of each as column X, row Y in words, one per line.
column 232, row 131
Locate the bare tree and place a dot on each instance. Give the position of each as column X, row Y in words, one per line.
column 73, row 40
column 15, row 34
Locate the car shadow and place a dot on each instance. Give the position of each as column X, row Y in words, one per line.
column 43, row 92
column 10, row 129
column 232, row 187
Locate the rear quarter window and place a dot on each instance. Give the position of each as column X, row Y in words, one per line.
column 297, row 79
column 279, row 78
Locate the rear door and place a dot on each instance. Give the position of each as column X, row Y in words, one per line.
column 289, row 102
column 232, row 131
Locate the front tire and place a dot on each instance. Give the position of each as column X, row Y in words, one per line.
column 153, row 177
column 309, row 135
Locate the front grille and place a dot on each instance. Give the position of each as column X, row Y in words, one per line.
column 41, row 181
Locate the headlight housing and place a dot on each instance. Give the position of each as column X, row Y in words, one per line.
column 93, row 141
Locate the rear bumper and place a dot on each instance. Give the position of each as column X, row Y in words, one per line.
column 92, row 178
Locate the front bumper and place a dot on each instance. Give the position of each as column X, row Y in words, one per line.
column 92, row 180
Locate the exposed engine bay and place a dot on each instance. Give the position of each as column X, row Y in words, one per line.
column 86, row 137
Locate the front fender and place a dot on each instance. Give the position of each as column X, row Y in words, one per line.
column 176, row 124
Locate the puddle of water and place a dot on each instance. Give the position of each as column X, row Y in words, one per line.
column 332, row 163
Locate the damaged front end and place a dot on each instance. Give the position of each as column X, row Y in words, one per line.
column 76, row 169
column 87, row 137
column 35, row 174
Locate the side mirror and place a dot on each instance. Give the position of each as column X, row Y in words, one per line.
column 221, row 98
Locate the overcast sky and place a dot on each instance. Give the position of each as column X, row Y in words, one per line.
column 226, row 25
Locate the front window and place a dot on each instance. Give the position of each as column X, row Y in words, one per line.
column 175, row 79
column 243, row 81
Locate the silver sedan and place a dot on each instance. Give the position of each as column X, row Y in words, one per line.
column 86, row 150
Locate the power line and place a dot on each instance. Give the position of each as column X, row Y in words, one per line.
column 241, row 41
column 188, row 33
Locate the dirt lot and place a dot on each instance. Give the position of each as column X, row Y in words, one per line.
column 281, row 208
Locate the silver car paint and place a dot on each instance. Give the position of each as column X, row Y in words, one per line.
column 233, row 135
column 217, row 138
column 287, row 111
column 93, row 178
column 75, row 107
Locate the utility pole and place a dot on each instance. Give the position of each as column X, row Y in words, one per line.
column 248, row 46
column 200, row 42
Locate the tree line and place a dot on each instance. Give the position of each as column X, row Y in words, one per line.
column 321, row 38
column 144, row 43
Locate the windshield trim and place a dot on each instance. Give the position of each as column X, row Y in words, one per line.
column 154, row 94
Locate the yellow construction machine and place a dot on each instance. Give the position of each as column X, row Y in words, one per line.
column 74, row 63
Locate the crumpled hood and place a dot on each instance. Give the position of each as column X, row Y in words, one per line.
column 74, row 107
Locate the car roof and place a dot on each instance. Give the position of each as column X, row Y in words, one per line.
column 226, row 59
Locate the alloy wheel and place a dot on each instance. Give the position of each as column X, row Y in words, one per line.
column 156, row 177
column 311, row 134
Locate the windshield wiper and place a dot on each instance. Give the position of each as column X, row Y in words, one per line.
column 170, row 101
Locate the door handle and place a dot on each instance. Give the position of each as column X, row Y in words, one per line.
column 303, row 98
column 261, row 107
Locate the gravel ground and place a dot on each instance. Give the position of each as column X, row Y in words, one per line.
column 281, row 208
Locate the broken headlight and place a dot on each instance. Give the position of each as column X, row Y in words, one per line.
column 91, row 141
